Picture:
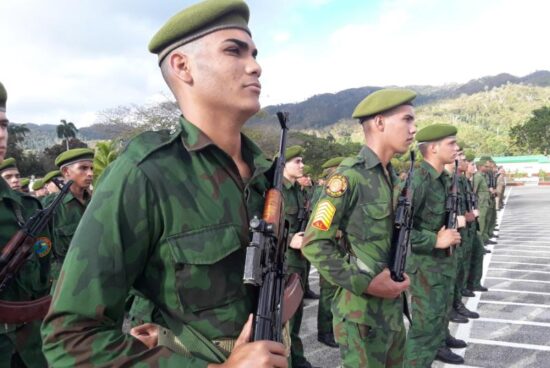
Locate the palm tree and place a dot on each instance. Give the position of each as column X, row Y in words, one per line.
column 66, row 130
column 17, row 132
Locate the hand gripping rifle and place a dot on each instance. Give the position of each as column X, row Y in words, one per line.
column 265, row 258
column 451, row 207
column 14, row 255
column 402, row 227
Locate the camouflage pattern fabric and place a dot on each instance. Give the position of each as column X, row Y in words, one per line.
column 294, row 200
column 364, row 346
column 31, row 282
column 464, row 252
column 476, row 267
column 324, row 311
column 432, row 273
column 484, row 198
column 64, row 224
column 170, row 218
column 359, row 201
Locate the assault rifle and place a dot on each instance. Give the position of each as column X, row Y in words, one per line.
column 265, row 265
column 451, row 207
column 402, row 227
column 14, row 255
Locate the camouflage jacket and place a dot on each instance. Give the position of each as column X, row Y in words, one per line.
column 170, row 218
column 64, row 223
column 359, row 201
column 32, row 281
column 430, row 194
column 481, row 189
column 294, row 200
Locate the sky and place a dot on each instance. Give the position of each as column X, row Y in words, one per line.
column 71, row 59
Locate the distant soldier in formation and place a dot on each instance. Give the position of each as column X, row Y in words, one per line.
column 358, row 201
column 432, row 271
column 325, row 331
column 39, row 188
column 49, row 181
column 77, row 165
column 20, row 344
column 10, row 173
column 501, row 187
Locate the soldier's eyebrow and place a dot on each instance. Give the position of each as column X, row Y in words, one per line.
column 242, row 45
column 4, row 121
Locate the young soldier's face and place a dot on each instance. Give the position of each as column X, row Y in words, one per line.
column 13, row 178
column 447, row 150
column 82, row 173
column 3, row 135
column 225, row 72
column 400, row 128
column 294, row 168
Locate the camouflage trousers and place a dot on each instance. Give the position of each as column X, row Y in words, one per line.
column 464, row 258
column 430, row 304
column 483, row 221
column 491, row 218
column 363, row 346
column 324, row 313
column 476, row 265
column 22, row 347
column 297, row 347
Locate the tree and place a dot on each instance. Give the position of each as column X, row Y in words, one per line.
column 49, row 154
column 534, row 135
column 17, row 132
column 28, row 163
column 66, row 130
column 105, row 153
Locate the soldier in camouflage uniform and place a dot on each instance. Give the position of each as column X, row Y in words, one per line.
column 77, row 165
column 325, row 333
column 501, row 187
column 432, row 272
column 20, row 344
column 170, row 217
column 294, row 201
column 358, row 200
column 10, row 173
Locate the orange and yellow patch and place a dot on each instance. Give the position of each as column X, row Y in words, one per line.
column 336, row 186
column 323, row 215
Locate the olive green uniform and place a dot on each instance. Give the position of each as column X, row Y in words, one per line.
column 20, row 344
column 358, row 200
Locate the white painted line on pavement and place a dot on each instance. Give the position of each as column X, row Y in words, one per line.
column 516, row 270
column 506, row 246
column 499, row 249
column 518, row 291
column 510, row 344
column 514, row 322
column 518, row 280
column 518, row 256
column 523, row 263
column 515, row 303
column 464, row 330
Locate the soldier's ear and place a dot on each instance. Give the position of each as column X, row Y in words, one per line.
column 379, row 122
column 180, row 65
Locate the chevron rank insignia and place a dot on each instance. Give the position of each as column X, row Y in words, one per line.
column 336, row 186
column 323, row 215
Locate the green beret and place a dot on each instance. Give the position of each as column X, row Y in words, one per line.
column 308, row 170
column 197, row 21
column 470, row 156
column 24, row 182
column 74, row 155
column 38, row 184
column 3, row 97
column 435, row 132
column 461, row 144
column 293, row 151
column 486, row 159
column 8, row 163
column 333, row 162
column 49, row 176
column 382, row 100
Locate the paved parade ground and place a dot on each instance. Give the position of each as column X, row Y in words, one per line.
column 514, row 328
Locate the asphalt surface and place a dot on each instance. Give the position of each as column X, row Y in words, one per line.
column 514, row 328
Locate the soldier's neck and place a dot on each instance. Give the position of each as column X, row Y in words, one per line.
column 434, row 162
column 79, row 193
column 384, row 153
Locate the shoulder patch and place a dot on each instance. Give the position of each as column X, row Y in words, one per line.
column 336, row 186
column 324, row 214
column 42, row 246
